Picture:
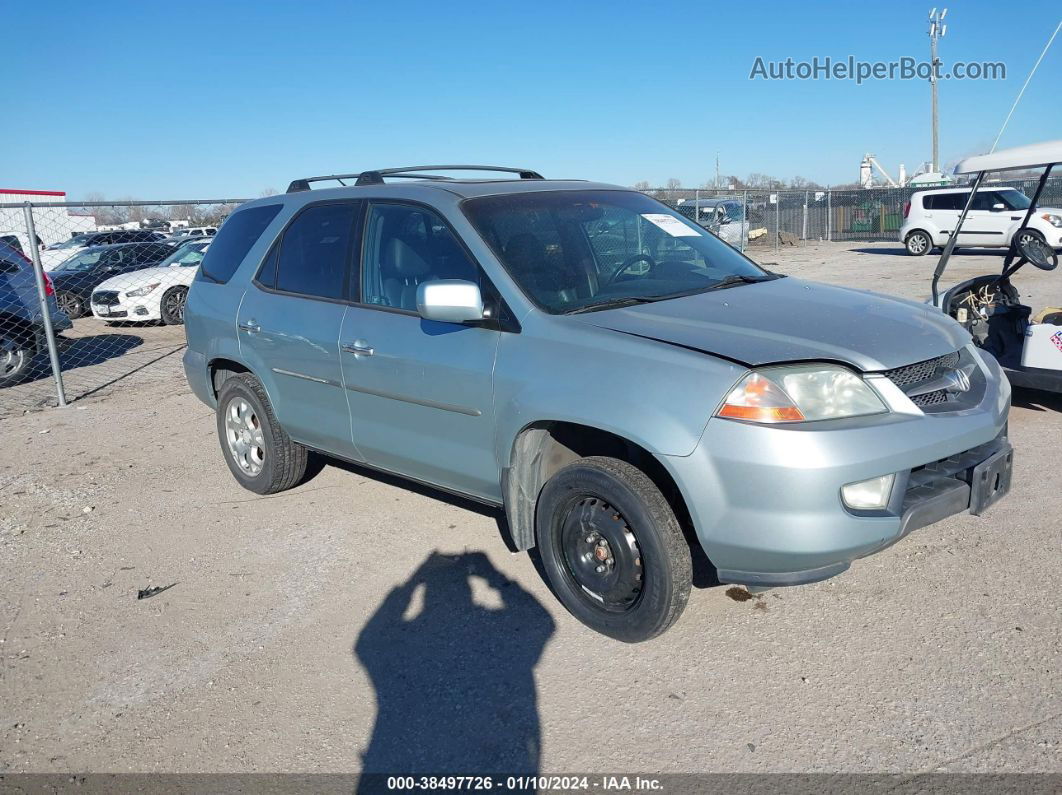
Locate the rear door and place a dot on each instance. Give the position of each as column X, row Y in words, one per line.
column 420, row 392
column 290, row 320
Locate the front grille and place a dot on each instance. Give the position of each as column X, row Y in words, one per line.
column 105, row 297
column 930, row 398
column 914, row 374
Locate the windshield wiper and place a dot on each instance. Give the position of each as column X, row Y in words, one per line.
column 615, row 303
column 733, row 280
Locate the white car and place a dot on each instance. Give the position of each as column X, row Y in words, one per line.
column 157, row 293
column 994, row 217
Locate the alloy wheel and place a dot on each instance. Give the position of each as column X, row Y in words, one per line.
column 243, row 432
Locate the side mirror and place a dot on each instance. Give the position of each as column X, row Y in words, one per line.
column 450, row 301
column 998, row 207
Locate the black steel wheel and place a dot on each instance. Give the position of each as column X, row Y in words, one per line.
column 612, row 549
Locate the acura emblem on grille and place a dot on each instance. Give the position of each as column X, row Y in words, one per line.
column 959, row 381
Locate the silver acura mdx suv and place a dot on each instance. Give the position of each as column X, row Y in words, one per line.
column 623, row 382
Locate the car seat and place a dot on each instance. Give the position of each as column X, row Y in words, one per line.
column 403, row 269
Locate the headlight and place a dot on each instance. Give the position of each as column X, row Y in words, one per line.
column 147, row 288
column 1051, row 218
column 800, row 393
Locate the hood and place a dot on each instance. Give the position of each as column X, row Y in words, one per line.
column 786, row 320
column 168, row 275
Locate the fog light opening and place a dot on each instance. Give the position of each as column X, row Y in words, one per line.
column 870, row 494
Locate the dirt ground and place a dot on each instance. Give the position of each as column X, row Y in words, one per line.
column 357, row 622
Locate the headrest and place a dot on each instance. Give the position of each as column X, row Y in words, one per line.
column 403, row 259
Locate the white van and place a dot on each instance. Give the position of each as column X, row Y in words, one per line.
column 931, row 215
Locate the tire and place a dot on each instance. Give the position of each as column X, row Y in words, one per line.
column 918, row 243
column 261, row 456
column 15, row 358
column 646, row 561
column 69, row 303
column 1027, row 232
column 172, row 306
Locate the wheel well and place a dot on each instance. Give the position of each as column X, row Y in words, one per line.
column 21, row 329
column 223, row 369
column 543, row 448
column 923, row 231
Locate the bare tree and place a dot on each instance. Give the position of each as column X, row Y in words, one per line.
column 643, row 186
column 267, row 192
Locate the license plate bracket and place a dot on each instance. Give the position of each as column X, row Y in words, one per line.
column 990, row 480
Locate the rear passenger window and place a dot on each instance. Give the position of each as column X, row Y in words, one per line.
column 235, row 238
column 315, row 251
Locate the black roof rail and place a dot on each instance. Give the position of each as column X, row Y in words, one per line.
column 376, row 176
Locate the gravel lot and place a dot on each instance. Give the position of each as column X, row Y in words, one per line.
column 298, row 622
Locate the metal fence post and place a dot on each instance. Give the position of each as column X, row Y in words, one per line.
column 777, row 218
column 46, row 311
column 804, row 222
column 829, row 213
column 745, row 219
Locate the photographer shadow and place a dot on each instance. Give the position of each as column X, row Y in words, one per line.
column 455, row 687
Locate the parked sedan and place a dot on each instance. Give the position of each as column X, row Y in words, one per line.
column 56, row 254
column 157, row 293
column 77, row 277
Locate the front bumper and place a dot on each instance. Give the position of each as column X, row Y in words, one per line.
column 765, row 501
column 127, row 309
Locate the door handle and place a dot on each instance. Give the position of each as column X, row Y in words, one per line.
column 250, row 326
column 358, row 348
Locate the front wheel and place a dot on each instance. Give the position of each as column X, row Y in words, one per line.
column 15, row 358
column 1025, row 235
column 173, row 303
column 918, row 243
column 612, row 549
column 260, row 455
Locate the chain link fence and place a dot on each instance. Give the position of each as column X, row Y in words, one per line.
column 754, row 219
column 93, row 293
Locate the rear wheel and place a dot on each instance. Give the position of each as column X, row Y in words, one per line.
column 71, row 305
column 612, row 549
column 15, row 358
column 173, row 303
column 260, row 455
column 918, row 243
column 1022, row 236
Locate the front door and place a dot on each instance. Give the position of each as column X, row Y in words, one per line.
column 420, row 392
column 985, row 226
column 289, row 326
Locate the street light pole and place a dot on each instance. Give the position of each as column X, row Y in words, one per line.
column 937, row 29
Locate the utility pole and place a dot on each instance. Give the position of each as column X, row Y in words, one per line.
column 937, row 29
column 717, row 170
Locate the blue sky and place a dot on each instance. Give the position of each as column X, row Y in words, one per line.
column 174, row 100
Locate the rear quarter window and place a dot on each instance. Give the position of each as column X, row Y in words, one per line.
column 234, row 239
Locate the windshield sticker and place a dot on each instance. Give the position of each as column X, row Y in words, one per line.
column 673, row 226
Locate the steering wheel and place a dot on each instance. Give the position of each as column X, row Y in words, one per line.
column 1035, row 251
column 630, row 261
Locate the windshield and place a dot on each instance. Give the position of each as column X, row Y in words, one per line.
column 574, row 250
column 75, row 242
column 188, row 255
column 85, row 261
column 1015, row 199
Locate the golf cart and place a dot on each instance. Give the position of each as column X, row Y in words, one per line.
column 1028, row 346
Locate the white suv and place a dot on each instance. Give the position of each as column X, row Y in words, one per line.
column 931, row 215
